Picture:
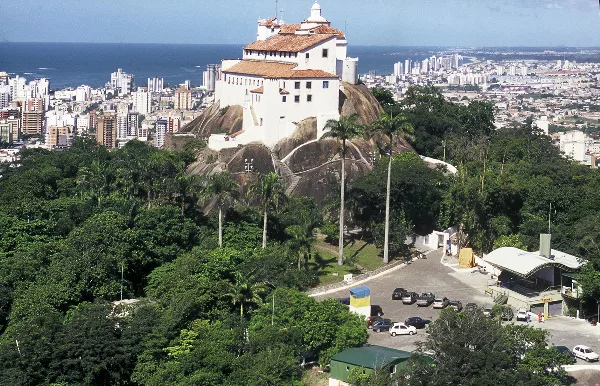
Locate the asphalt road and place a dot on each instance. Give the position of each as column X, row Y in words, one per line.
column 430, row 275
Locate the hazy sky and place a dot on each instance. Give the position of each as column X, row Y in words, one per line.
column 367, row 22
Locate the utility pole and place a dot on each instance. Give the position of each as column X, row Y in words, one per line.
column 549, row 214
column 273, row 311
column 121, row 281
column 444, row 145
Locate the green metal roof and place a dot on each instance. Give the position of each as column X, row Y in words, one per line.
column 371, row 357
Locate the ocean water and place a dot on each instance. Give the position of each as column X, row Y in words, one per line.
column 74, row 64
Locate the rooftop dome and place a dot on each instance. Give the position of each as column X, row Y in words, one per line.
column 315, row 14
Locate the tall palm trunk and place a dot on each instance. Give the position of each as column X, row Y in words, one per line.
column 264, row 243
column 220, row 227
column 341, row 242
column 386, row 246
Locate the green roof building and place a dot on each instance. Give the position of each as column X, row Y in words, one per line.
column 366, row 359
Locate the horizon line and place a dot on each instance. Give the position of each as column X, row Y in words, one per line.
column 355, row 45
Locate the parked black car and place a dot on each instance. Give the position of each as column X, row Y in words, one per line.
column 409, row 297
column 376, row 310
column 345, row 301
column 382, row 325
column 417, row 321
column 397, row 294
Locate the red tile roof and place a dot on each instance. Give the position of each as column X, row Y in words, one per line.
column 275, row 70
column 259, row 90
column 288, row 43
column 323, row 29
column 287, row 29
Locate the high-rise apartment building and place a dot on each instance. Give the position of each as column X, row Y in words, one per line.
column 122, row 126
column 4, row 77
column 455, row 61
column 173, row 125
column 398, row 69
column 5, row 132
column 106, row 130
column 18, row 90
column 161, row 131
column 31, row 122
column 142, row 102
column 133, row 123
column 58, row 136
column 83, row 93
column 4, row 95
column 209, row 77
column 122, row 82
column 425, row 66
column 83, row 123
column 15, row 126
column 155, row 84
column 183, row 99
column 35, row 104
column 407, row 67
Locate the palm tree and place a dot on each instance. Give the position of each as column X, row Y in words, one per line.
column 268, row 190
column 343, row 129
column 244, row 293
column 94, row 179
column 183, row 185
column 391, row 127
column 223, row 187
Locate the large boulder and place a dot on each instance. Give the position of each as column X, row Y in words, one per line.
column 216, row 120
column 305, row 131
column 357, row 99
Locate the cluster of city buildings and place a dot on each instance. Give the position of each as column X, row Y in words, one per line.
column 31, row 114
column 562, row 97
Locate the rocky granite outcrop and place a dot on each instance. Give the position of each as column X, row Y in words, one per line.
column 357, row 99
column 215, row 120
column 309, row 166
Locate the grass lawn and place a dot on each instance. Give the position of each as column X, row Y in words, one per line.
column 313, row 378
column 360, row 256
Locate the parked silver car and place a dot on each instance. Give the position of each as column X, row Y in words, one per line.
column 440, row 302
column 409, row 297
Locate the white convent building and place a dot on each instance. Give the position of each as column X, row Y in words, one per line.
column 290, row 73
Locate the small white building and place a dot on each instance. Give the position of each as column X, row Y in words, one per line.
column 290, row 73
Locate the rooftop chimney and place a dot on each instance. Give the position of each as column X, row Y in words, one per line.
column 545, row 249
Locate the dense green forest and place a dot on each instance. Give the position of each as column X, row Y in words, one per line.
column 219, row 293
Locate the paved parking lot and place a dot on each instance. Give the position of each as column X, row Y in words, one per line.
column 431, row 275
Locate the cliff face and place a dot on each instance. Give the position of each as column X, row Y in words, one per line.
column 309, row 166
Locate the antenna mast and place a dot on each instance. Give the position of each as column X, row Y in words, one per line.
column 276, row 7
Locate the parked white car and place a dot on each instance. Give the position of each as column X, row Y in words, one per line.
column 521, row 315
column 585, row 353
column 402, row 329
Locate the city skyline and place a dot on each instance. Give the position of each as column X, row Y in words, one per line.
column 547, row 23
